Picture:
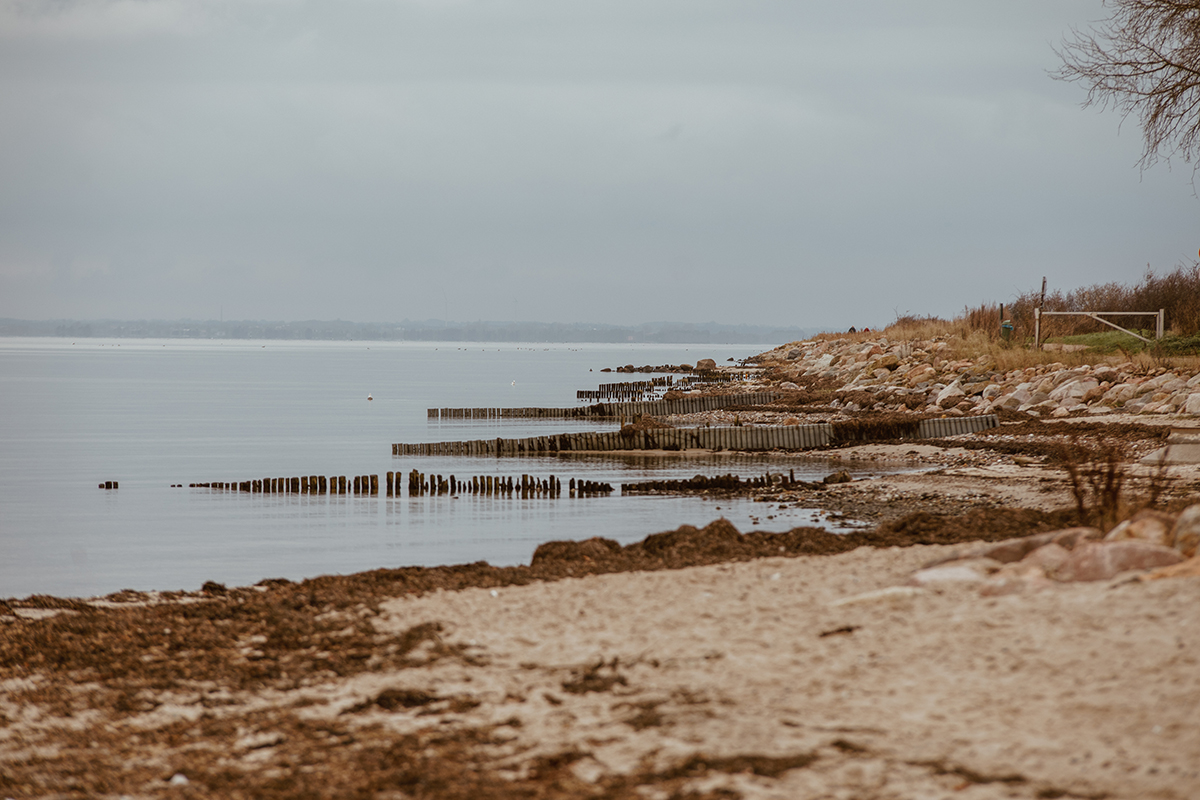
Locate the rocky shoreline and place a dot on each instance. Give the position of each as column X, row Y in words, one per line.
column 925, row 375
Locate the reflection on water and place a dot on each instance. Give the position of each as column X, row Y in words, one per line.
column 154, row 414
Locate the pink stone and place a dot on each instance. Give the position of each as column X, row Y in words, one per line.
column 1146, row 525
column 1012, row 550
column 1098, row 561
column 1016, row 549
column 1048, row 557
column 1186, row 535
column 1187, row 569
column 1070, row 537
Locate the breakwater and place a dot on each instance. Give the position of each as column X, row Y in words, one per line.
column 628, row 391
column 419, row 485
column 302, row 484
column 721, row 483
column 775, row 437
column 657, row 408
column 523, row 486
column 636, row 391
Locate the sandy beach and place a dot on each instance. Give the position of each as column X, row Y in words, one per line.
column 962, row 640
column 810, row 676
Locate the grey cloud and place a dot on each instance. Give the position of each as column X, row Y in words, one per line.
column 617, row 162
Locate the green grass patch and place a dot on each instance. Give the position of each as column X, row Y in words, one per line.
column 1107, row 342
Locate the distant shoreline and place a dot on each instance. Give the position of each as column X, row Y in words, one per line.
column 416, row 331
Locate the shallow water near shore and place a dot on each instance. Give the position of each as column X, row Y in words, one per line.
column 151, row 413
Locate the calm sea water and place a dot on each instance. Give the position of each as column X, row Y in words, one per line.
column 154, row 413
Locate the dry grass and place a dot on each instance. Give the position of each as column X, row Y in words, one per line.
column 965, row 341
column 976, row 331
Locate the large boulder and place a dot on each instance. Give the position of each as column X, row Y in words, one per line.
column 1099, row 561
column 919, row 374
column 950, row 396
column 706, row 363
column 1072, row 392
column 1120, row 394
column 1047, row 558
column 1185, row 536
column 888, row 361
column 1147, row 526
column 1011, row 551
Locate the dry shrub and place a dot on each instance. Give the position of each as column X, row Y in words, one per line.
column 909, row 326
column 1104, row 489
column 1178, row 293
column 985, row 319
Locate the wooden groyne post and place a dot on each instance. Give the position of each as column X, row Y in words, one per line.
column 749, row 438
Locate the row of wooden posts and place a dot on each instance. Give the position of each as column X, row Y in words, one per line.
column 626, row 391
column 418, row 484
column 304, row 484
column 525, row 486
column 633, row 391
column 684, row 405
column 702, row 483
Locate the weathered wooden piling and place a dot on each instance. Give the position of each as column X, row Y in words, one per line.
column 751, row 438
column 685, row 405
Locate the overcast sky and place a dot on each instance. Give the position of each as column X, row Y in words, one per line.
column 782, row 163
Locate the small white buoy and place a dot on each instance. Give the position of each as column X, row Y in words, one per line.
column 370, row 398
column 514, row 383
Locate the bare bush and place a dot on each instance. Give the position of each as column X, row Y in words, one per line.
column 1177, row 292
column 1104, row 488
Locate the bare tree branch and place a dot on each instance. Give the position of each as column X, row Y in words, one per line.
column 1144, row 60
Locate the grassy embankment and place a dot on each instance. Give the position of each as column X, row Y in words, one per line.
column 976, row 332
